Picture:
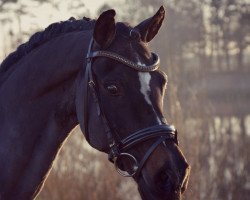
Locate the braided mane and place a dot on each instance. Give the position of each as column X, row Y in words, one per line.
column 41, row 37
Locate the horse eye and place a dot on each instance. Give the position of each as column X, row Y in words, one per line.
column 112, row 89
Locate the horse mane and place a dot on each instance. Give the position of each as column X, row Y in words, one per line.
column 39, row 38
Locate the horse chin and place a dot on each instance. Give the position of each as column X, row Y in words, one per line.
column 148, row 192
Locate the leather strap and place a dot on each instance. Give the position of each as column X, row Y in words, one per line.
column 86, row 95
column 148, row 133
column 148, row 153
column 90, row 83
column 127, row 62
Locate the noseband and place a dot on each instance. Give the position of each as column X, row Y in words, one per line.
column 118, row 149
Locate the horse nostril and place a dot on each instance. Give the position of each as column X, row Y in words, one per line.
column 164, row 177
column 163, row 180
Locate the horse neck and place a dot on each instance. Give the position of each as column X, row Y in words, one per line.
column 49, row 73
column 37, row 106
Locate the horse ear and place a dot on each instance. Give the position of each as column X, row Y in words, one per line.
column 150, row 27
column 104, row 31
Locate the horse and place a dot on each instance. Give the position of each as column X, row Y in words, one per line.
column 99, row 74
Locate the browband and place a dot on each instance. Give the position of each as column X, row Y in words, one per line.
column 127, row 62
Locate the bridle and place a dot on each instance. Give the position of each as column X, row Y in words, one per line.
column 118, row 149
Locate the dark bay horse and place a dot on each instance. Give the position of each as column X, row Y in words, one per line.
column 99, row 74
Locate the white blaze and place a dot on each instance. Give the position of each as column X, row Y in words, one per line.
column 144, row 78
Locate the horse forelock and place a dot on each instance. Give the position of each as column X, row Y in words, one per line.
column 41, row 37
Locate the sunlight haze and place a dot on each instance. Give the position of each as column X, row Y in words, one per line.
column 42, row 16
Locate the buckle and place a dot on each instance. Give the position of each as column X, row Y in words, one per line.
column 89, row 57
column 114, row 152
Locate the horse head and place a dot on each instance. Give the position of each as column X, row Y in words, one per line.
column 120, row 107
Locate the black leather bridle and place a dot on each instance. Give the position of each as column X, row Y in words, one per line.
column 119, row 149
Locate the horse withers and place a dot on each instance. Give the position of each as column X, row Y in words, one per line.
column 99, row 74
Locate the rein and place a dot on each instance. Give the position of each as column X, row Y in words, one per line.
column 118, row 149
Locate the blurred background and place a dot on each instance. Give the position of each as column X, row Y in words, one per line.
column 204, row 46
